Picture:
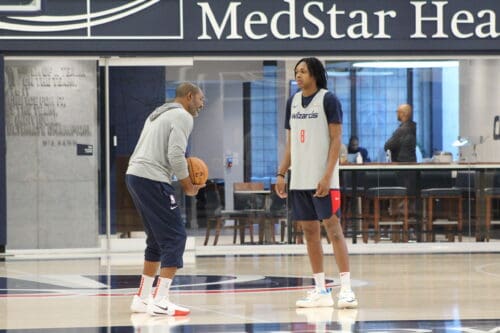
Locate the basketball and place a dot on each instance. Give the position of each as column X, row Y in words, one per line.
column 198, row 170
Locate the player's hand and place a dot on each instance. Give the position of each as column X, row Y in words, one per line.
column 323, row 188
column 280, row 187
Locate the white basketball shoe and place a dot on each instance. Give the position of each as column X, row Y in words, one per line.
column 165, row 307
column 347, row 300
column 316, row 298
column 139, row 304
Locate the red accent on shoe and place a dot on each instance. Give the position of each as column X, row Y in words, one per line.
column 181, row 313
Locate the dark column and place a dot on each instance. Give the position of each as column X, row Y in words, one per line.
column 134, row 92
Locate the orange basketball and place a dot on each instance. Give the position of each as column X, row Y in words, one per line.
column 198, row 170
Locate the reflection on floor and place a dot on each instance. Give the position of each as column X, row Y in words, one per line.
column 252, row 293
column 172, row 325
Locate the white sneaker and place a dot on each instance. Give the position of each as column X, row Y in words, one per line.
column 165, row 307
column 347, row 300
column 139, row 304
column 316, row 298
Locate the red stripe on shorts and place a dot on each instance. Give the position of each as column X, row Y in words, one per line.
column 335, row 197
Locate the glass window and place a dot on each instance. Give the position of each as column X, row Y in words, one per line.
column 378, row 88
column 264, row 127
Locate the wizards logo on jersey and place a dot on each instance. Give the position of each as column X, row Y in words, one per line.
column 299, row 115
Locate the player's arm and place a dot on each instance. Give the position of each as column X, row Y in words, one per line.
column 286, row 161
column 177, row 144
column 283, row 168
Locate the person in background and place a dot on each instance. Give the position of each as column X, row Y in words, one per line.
column 403, row 141
column 354, row 148
column 159, row 156
column 402, row 146
column 313, row 125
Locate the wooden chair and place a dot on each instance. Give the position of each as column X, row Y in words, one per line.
column 347, row 199
column 448, row 198
column 241, row 217
column 249, row 209
column 214, row 208
column 383, row 194
column 490, row 194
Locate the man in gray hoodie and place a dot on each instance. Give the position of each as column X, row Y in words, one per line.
column 157, row 158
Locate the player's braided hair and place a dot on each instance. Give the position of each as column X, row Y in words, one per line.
column 317, row 70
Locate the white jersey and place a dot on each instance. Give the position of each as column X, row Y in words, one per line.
column 309, row 143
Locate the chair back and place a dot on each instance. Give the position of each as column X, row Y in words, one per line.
column 346, row 180
column 465, row 180
column 248, row 201
column 435, row 179
column 213, row 203
column 213, row 200
column 374, row 179
column 496, row 180
column 248, row 186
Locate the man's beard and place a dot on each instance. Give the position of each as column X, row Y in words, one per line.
column 194, row 112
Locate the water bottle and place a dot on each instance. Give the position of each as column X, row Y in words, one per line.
column 359, row 158
column 388, row 156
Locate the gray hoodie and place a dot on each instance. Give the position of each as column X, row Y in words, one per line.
column 160, row 151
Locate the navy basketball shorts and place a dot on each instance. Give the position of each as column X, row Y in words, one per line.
column 306, row 207
column 165, row 231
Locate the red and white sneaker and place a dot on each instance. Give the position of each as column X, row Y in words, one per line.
column 165, row 307
column 139, row 304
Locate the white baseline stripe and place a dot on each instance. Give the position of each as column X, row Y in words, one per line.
column 66, row 27
column 69, row 18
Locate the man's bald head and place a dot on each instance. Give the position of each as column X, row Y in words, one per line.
column 185, row 88
column 405, row 112
column 190, row 97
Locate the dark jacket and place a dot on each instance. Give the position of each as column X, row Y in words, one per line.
column 403, row 142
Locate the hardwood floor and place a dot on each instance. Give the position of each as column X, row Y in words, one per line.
column 253, row 293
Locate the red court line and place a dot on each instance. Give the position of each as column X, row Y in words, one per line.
column 180, row 292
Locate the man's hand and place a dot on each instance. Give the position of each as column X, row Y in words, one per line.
column 189, row 188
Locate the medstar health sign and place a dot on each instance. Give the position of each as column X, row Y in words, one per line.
column 189, row 26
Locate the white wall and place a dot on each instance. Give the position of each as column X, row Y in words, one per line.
column 52, row 191
column 479, row 104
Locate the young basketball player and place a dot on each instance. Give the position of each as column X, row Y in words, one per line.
column 314, row 132
column 158, row 156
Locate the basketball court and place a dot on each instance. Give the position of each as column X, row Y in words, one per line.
column 434, row 291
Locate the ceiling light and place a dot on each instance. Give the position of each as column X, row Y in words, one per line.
column 405, row 64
